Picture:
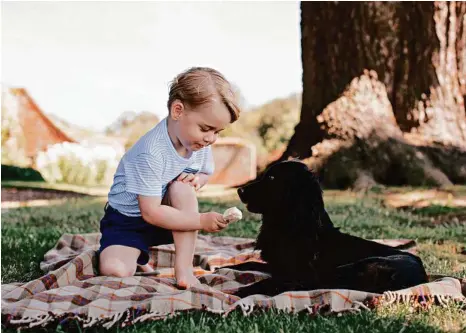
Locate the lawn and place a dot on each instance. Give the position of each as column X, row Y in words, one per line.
column 27, row 233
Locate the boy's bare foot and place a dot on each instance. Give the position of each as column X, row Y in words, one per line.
column 185, row 278
column 146, row 268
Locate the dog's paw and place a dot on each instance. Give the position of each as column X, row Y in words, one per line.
column 232, row 214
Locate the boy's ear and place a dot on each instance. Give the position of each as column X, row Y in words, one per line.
column 176, row 109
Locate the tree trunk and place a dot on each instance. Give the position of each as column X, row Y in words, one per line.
column 338, row 41
column 377, row 73
column 430, row 77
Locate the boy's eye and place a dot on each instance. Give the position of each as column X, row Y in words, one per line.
column 204, row 129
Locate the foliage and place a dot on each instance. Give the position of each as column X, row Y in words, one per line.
column 269, row 126
column 132, row 126
column 11, row 172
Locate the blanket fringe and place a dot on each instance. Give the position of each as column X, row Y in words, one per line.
column 132, row 317
column 390, row 297
column 90, row 321
column 216, row 311
column 114, row 320
column 150, row 315
column 32, row 321
column 310, row 309
column 247, row 309
column 40, row 322
column 360, row 305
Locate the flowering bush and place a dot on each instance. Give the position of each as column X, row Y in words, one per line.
column 79, row 164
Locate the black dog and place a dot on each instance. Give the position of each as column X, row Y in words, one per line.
column 304, row 251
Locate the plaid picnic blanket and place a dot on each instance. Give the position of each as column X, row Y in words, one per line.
column 71, row 287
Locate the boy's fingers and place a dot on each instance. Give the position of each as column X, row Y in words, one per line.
column 188, row 178
column 194, row 180
column 182, row 176
column 222, row 224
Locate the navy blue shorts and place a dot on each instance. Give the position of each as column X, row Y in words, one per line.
column 119, row 229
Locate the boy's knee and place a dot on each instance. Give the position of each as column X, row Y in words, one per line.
column 117, row 268
column 180, row 188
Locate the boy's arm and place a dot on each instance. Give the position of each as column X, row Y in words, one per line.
column 149, row 193
column 167, row 217
column 170, row 218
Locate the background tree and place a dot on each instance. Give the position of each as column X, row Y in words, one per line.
column 384, row 85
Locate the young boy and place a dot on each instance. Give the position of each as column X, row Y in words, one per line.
column 153, row 197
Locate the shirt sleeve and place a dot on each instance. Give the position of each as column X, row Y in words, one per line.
column 143, row 175
column 208, row 165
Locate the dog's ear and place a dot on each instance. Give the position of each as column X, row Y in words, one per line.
column 308, row 211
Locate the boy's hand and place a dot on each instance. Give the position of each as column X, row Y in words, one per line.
column 212, row 222
column 191, row 179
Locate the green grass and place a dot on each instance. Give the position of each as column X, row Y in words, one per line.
column 399, row 320
column 24, row 184
column 27, row 233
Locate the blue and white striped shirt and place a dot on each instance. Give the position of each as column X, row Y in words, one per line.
column 149, row 166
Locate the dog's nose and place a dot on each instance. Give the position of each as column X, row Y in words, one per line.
column 240, row 192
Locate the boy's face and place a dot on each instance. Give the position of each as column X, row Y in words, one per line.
column 199, row 127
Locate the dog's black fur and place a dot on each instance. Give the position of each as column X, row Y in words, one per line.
column 304, row 251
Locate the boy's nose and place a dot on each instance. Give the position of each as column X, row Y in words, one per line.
column 210, row 139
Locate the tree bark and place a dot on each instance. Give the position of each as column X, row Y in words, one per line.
column 338, row 41
column 417, row 52
column 429, row 84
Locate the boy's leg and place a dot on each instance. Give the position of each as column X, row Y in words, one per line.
column 118, row 260
column 183, row 197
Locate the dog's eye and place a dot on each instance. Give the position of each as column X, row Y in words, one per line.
column 271, row 177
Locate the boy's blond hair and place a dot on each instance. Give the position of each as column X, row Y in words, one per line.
column 200, row 85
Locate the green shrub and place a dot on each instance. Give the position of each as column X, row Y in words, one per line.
column 11, row 172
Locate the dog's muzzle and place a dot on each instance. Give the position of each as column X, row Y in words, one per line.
column 241, row 194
